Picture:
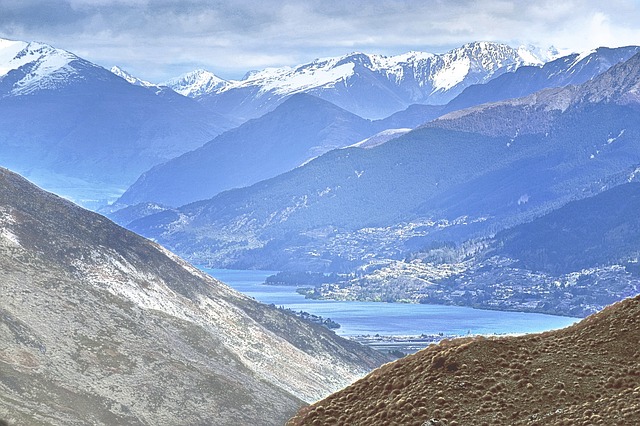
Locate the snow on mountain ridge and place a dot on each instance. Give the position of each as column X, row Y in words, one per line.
column 379, row 138
column 441, row 72
column 131, row 79
column 538, row 55
column 482, row 58
column 44, row 66
column 8, row 51
column 196, row 83
column 583, row 55
column 306, row 78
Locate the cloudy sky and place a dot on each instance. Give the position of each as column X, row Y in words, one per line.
column 158, row 39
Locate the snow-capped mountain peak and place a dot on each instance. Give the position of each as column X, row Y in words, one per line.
column 536, row 55
column 39, row 66
column 442, row 71
column 196, row 83
column 131, row 79
column 369, row 85
column 479, row 62
column 286, row 81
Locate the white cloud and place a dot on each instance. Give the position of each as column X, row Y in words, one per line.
column 158, row 39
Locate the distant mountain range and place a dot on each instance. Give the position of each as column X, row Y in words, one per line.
column 571, row 69
column 84, row 132
column 100, row 326
column 249, row 153
column 371, row 86
column 467, row 174
column 97, row 131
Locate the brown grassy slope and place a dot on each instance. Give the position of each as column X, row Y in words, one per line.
column 585, row 374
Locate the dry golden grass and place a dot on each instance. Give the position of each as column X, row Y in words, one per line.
column 587, row 374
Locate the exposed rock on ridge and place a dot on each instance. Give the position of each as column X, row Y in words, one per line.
column 100, row 326
column 536, row 113
column 371, row 86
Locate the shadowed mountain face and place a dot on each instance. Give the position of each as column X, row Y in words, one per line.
column 100, row 326
column 468, row 174
column 303, row 127
column 596, row 231
column 584, row 374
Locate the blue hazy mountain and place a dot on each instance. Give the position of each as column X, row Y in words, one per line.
column 467, row 174
column 301, row 128
column 596, row 231
column 78, row 129
column 183, row 174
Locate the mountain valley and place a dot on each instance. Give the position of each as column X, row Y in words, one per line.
column 301, row 128
column 99, row 325
column 436, row 183
column 358, row 208
column 489, row 177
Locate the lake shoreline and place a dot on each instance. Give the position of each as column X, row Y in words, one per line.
column 394, row 320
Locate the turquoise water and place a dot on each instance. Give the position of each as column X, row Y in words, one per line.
column 362, row 318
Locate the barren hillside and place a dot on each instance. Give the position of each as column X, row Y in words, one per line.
column 585, row 374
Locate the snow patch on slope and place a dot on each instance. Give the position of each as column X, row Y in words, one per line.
column 131, row 79
column 613, row 139
column 6, row 221
column 379, row 138
column 584, row 55
column 452, row 75
column 9, row 49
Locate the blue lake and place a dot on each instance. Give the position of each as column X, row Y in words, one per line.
column 362, row 318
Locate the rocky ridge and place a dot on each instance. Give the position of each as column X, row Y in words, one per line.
column 100, row 326
column 372, row 86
